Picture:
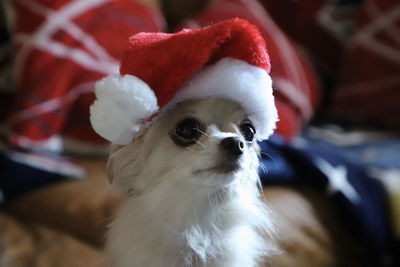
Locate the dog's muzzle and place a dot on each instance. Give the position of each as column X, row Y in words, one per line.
column 232, row 146
column 232, row 149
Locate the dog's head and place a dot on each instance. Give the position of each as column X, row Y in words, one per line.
column 205, row 144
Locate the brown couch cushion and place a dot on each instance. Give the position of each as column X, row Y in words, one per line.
column 82, row 208
column 35, row 245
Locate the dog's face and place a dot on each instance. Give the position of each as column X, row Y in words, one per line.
column 206, row 144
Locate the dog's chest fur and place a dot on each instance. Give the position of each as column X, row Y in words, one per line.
column 224, row 235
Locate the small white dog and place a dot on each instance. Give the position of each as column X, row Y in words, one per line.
column 192, row 191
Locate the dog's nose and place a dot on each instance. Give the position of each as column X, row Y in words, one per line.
column 232, row 145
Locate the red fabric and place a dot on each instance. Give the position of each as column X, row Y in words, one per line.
column 295, row 84
column 150, row 55
column 357, row 44
column 62, row 48
column 303, row 21
column 368, row 90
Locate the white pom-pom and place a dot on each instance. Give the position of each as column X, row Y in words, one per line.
column 122, row 103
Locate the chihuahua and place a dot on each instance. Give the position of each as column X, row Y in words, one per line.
column 192, row 191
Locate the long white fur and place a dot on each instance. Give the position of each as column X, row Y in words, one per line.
column 179, row 214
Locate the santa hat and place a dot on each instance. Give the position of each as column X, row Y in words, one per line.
column 225, row 60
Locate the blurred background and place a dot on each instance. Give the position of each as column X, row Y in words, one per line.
column 333, row 179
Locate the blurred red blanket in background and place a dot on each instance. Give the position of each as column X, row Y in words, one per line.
column 62, row 47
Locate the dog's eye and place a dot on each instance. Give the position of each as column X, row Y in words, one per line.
column 248, row 131
column 188, row 129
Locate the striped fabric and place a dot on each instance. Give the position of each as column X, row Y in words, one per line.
column 369, row 84
column 62, row 48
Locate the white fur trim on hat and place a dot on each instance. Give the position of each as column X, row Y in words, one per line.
column 122, row 104
column 237, row 80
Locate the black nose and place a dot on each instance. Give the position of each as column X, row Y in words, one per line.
column 232, row 145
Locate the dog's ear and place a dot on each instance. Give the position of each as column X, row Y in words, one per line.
column 110, row 163
column 124, row 164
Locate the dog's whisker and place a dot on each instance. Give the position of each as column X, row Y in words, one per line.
column 271, row 158
column 200, row 143
column 266, row 154
column 224, row 193
column 188, row 148
column 209, row 201
column 264, row 168
column 213, row 200
column 219, row 197
column 216, row 197
column 259, row 185
column 202, row 132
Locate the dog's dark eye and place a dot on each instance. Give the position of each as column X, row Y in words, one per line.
column 248, row 131
column 188, row 130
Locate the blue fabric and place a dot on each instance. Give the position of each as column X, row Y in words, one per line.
column 360, row 200
column 17, row 178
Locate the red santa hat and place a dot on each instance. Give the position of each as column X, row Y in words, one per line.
column 225, row 60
